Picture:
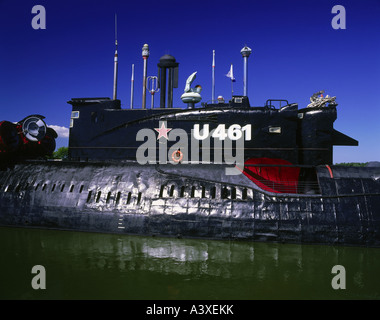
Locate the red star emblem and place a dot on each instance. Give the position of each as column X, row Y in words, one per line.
column 163, row 131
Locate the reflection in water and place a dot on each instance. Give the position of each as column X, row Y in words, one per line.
column 102, row 266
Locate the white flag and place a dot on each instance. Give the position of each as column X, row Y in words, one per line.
column 230, row 74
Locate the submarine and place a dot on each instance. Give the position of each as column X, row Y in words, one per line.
column 224, row 170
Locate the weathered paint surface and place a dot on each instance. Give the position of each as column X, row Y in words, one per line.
column 179, row 201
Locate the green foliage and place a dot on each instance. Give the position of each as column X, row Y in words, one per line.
column 61, row 153
column 352, row 164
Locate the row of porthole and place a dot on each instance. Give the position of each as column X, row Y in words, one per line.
column 98, row 195
column 20, row 187
column 62, row 187
column 225, row 192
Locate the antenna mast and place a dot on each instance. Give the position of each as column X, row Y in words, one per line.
column 245, row 52
column 115, row 63
column 145, row 55
column 132, row 84
column 213, row 77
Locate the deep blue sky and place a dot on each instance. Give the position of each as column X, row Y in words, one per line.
column 296, row 52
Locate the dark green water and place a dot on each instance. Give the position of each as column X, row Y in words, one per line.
column 104, row 266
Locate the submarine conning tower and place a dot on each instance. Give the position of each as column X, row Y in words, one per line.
column 101, row 130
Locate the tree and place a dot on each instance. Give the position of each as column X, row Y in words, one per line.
column 61, row 153
column 352, row 164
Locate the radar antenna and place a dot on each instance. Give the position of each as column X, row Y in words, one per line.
column 191, row 95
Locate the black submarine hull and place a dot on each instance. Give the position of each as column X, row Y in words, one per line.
column 178, row 201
